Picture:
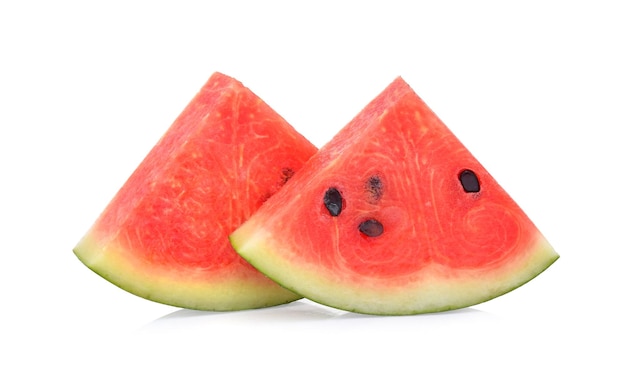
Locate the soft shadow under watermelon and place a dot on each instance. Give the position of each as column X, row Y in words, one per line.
column 296, row 311
column 301, row 311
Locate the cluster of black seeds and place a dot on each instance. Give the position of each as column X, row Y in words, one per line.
column 334, row 202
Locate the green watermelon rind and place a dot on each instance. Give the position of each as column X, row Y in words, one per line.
column 258, row 248
column 148, row 282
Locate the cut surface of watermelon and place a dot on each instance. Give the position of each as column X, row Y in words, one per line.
column 164, row 236
column 394, row 216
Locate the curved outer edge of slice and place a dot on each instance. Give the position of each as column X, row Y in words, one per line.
column 438, row 294
column 225, row 293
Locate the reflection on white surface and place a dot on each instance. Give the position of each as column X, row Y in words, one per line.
column 295, row 311
column 304, row 314
column 298, row 310
column 305, row 336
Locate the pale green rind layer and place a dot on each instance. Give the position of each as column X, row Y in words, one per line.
column 225, row 291
column 441, row 291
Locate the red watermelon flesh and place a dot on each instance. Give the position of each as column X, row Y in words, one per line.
column 164, row 236
column 394, row 216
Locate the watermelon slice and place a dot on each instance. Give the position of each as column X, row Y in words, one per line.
column 394, row 216
column 164, row 236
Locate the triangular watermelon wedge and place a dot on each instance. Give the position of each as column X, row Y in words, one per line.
column 164, row 236
column 394, row 216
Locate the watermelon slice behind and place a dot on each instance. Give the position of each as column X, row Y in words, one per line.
column 394, row 216
column 164, row 236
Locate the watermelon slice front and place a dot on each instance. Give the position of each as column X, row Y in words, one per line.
column 394, row 216
column 164, row 236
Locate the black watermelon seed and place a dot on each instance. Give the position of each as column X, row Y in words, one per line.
column 371, row 228
column 375, row 188
column 469, row 181
column 333, row 201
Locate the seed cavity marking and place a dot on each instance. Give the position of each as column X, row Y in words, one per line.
column 469, row 181
column 333, row 201
column 374, row 187
column 371, row 228
column 286, row 173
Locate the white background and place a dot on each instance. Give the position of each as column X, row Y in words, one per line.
column 536, row 90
